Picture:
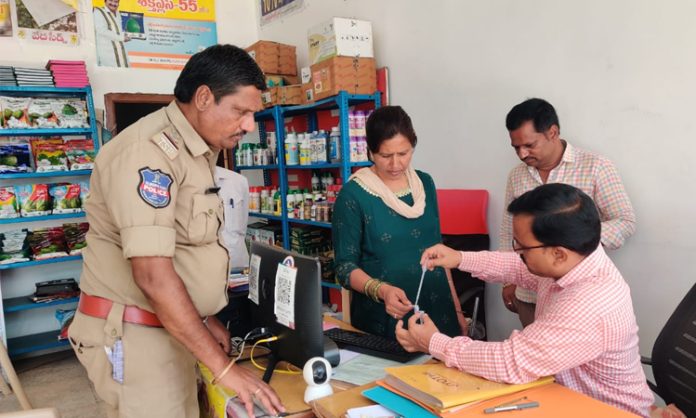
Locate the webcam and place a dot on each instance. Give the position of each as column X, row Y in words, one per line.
column 317, row 374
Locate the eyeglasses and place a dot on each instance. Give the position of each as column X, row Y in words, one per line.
column 520, row 250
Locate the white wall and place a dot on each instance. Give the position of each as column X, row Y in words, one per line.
column 620, row 74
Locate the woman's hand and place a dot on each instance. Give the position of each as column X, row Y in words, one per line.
column 395, row 301
column 440, row 255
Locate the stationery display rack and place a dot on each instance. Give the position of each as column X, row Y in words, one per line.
column 276, row 118
column 14, row 276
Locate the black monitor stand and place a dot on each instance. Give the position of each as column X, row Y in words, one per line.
column 331, row 354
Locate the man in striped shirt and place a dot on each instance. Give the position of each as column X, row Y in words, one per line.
column 585, row 332
column 546, row 158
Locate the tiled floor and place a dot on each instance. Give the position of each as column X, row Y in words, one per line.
column 56, row 380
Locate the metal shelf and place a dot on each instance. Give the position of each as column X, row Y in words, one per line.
column 45, row 89
column 35, row 342
column 42, row 218
column 73, row 173
column 40, row 262
column 46, row 132
column 314, row 166
column 24, row 303
column 265, row 216
column 257, row 167
column 361, row 164
column 308, row 222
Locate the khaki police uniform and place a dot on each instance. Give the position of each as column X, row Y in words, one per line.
column 152, row 194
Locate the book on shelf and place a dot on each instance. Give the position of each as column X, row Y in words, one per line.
column 442, row 387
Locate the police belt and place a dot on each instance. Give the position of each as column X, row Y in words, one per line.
column 100, row 308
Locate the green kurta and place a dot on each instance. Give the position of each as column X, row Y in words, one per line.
column 387, row 246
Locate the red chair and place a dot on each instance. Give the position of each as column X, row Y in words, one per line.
column 464, row 226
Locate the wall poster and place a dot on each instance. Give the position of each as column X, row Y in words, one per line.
column 160, row 34
column 51, row 22
column 275, row 9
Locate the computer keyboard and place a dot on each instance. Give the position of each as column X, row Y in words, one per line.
column 372, row 345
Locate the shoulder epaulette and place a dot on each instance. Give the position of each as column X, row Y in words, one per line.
column 167, row 143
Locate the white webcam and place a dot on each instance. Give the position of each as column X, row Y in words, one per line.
column 317, row 374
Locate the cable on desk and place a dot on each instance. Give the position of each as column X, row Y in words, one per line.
column 258, row 366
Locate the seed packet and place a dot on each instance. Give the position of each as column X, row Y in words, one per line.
column 50, row 157
column 14, row 112
column 41, row 114
column 66, row 198
column 71, row 113
column 9, row 208
column 13, row 246
column 48, row 243
column 80, row 154
column 34, row 200
column 15, row 156
column 64, row 317
column 75, row 236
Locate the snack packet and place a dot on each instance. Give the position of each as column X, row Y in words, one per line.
column 50, row 156
column 71, row 113
column 9, row 208
column 41, row 114
column 75, row 234
column 34, row 199
column 80, row 154
column 48, row 243
column 15, row 156
column 64, row 317
column 66, row 198
column 13, row 248
column 14, row 112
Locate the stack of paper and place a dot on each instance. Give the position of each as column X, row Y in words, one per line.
column 33, row 76
column 7, row 77
column 69, row 73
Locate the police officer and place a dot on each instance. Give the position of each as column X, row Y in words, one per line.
column 155, row 269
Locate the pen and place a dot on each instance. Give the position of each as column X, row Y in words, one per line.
column 511, row 407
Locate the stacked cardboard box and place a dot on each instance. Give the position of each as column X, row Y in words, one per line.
column 274, row 57
column 267, row 234
column 283, row 95
column 341, row 54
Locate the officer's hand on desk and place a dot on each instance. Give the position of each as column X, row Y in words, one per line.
column 248, row 385
column 417, row 336
column 219, row 332
column 396, row 303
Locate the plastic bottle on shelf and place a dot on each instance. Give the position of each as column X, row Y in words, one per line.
column 321, row 147
column 305, row 149
column 351, row 124
column 308, row 202
column 359, row 123
column 292, row 155
column 277, row 209
column 290, row 202
column 264, row 200
column 315, row 182
column 271, row 142
column 255, row 200
column 362, row 149
column 354, row 149
column 335, row 145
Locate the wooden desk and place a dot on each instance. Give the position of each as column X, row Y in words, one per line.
column 554, row 401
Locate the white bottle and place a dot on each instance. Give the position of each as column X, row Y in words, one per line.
column 290, row 204
column 315, row 182
column 292, row 155
column 335, row 145
column 321, row 147
column 255, row 198
column 305, row 150
column 265, row 208
column 354, row 155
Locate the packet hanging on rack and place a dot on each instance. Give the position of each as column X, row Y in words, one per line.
column 14, row 112
column 66, row 198
column 9, row 208
column 71, row 113
column 41, row 114
column 13, row 246
column 34, row 199
column 15, row 156
column 80, row 153
column 75, row 236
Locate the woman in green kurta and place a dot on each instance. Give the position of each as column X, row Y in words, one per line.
column 383, row 220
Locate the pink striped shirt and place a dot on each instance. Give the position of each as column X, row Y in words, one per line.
column 589, row 172
column 585, row 332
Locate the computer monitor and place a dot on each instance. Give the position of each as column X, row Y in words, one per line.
column 291, row 311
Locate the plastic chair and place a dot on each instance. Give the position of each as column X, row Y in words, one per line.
column 673, row 358
column 464, row 226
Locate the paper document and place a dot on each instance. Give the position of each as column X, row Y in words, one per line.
column 363, row 369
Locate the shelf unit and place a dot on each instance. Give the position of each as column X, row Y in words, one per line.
column 278, row 114
column 17, row 305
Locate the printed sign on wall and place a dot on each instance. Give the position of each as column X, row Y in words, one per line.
column 51, row 22
column 160, row 34
column 274, row 9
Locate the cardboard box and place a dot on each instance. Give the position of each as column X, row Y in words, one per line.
column 275, row 80
column 274, row 57
column 307, row 93
column 340, row 37
column 354, row 75
column 270, row 96
column 282, row 95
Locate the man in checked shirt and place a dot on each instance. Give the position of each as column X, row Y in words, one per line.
column 585, row 332
column 546, row 158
